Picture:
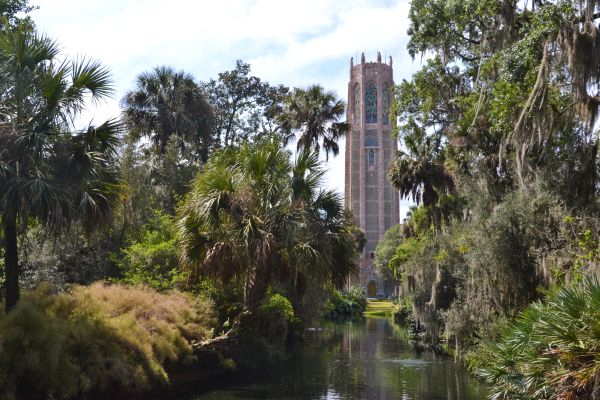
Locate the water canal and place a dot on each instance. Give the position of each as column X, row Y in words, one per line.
column 368, row 359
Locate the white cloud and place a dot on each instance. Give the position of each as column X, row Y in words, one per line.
column 291, row 42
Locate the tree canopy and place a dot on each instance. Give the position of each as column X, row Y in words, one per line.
column 167, row 103
column 49, row 170
column 311, row 116
column 255, row 215
column 244, row 106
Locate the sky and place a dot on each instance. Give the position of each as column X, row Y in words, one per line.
column 295, row 43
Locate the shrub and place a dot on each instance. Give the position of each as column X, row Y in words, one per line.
column 66, row 259
column 97, row 341
column 153, row 260
column 275, row 313
column 347, row 304
column 404, row 313
column 552, row 350
column 276, row 305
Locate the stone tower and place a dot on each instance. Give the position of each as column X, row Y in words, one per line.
column 369, row 151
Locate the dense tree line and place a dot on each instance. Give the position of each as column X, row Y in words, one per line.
column 192, row 194
column 189, row 198
column 499, row 150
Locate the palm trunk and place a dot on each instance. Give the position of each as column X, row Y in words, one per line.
column 256, row 286
column 257, row 283
column 11, row 263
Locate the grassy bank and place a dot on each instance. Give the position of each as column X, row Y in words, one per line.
column 380, row 308
column 98, row 341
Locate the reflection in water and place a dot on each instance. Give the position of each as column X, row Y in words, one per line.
column 370, row 359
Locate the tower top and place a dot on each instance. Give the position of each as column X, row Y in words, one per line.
column 363, row 60
column 365, row 68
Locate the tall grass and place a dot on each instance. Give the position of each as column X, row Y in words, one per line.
column 97, row 341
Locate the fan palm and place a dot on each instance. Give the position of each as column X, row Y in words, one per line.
column 254, row 214
column 419, row 172
column 313, row 115
column 166, row 103
column 551, row 351
column 49, row 171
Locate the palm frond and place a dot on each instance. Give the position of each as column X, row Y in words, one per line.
column 551, row 349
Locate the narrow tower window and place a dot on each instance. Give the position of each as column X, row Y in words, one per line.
column 386, row 105
column 371, row 159
column 371, row 103
column 356, row 116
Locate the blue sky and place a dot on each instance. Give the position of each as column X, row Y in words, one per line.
column 295, row 43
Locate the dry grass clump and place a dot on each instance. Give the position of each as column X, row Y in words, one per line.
column 97, row 340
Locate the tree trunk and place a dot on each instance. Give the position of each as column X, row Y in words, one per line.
column 258, row 281
column 11, row 263
column 230, row 123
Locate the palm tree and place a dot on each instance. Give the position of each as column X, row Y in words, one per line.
column 419, row 171
column 550, row 351
column 49, row 171
column 313, row 115
column 166, row 103
column 255, row 215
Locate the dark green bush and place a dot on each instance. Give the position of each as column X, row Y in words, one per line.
column 404, row 312
column 275, row 314
column 346, row 304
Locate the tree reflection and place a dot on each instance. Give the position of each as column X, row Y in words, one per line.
column 366, row 359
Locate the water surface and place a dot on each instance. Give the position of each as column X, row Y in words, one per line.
column 367, row 359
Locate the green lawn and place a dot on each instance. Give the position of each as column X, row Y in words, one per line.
column 379, row 308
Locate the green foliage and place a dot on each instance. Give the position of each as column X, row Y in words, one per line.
column 277, row 306
column 228, row 300
column 313, row 115
column 491, row 265
column 504, row 79
column 505, row 100
column 346, row 304
column 153, row 259
column 386, row 249
column 64, row 259
column 404, row 312
column 453, row 28
column 168, row 103
column 254, row 216
column 11, row 10
column 409, row 249
column 480, row 352
column 419, row 173
column 589, row 252
column 168, row 108
column 551, row 351
column 245, row 108
column 275, row 314
column 51, row 172
column 97, row 341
